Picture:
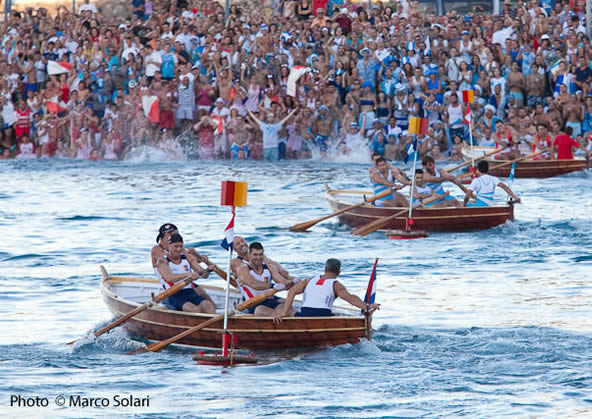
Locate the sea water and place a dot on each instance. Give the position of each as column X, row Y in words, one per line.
column 480, row 324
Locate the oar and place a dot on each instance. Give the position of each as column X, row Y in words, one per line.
column 381, row 222
column 491, row 153
column 222, row 274
column 157, row 346
column 308, row 224
column 162, row 296
column 497, row 166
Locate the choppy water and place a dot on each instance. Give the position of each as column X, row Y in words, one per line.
column 484, row 324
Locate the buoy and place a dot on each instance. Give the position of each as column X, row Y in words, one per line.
column 220, row 359
column 406, row 235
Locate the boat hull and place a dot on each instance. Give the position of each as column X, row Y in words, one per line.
column 159, row 323
column 537, row 168
column 448, row 219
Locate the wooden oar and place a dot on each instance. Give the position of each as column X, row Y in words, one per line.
column 491, row 153
column 381, row 222
column 222, row 274
column 157, row 299
column 308, row 224
column 157, row 346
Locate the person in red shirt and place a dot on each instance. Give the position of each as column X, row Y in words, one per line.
column 563, row 144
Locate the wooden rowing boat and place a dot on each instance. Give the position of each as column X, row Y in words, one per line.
column 527, row 168
column 426, row 218
column 123, row 294
column 537, row 168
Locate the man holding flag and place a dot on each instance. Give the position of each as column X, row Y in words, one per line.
column 321, row 291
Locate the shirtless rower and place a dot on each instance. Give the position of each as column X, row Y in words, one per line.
column 176, row 266
column 434, row 178
column 319, row 294
column 256, row 277
column 162, row 247
column 241, row 247
column 383, row 179
column 484, row 187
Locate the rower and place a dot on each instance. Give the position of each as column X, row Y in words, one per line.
column 434, row 178
column 241, row 247
column 319, row 294
column 175, row 267
column 504, row 137
column 162, row 245
column 484, row 187
column 382, row 180
column 422, row 190
column 398, row 174
column 256, row 277
column 563, row 146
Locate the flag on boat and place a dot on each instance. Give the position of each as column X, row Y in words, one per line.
column 468, row 116
column 58, row 67
column 371, row 291
column 411, row 150
column 151, row 108
column 512, row 171
column 228, row 235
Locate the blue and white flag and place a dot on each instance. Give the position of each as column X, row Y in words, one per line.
column 228, row 235
column 411, row 150
column 371, row 291
column 512, row 172
column 411, row 46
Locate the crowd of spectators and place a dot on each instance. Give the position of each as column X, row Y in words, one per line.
column 286, row 81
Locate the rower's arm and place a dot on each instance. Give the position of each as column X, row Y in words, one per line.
column 168, row 276
column 354, row 300
column 194, row 262
column 509, row 191
column 294, row 291
column 245, row 278
column 376, row 178
column 156, row 253
column 281, row 270
column 434, row 179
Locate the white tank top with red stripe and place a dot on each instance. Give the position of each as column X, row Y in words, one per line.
column 265, row 276
column 319, row 293
column 181, row 268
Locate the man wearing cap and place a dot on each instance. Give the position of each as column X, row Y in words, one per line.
column 176, row 266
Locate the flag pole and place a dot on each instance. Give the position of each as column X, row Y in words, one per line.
column 471, row 139
column 409, row 219
column 226, row 335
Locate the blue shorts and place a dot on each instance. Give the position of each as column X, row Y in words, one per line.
column 271, row 302
column 186, row 295
column 314, row 312
column 478, row 203
column 322, row 142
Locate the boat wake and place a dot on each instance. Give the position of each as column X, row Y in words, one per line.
column 115, row 341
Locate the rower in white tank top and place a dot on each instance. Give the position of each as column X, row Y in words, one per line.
column 246, row 291
column 319, row 293
column 181, row 268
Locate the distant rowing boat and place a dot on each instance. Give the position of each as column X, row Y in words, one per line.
column 123, row 294
column 528, row 168
column 426, row 218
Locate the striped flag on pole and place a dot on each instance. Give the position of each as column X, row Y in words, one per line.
column 468, row 116
column 228, row 235
column 371, row 291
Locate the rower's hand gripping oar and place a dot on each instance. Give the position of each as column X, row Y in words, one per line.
column 381, row 222
column 308, row 224
column 156, row 347
column 155, row 300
